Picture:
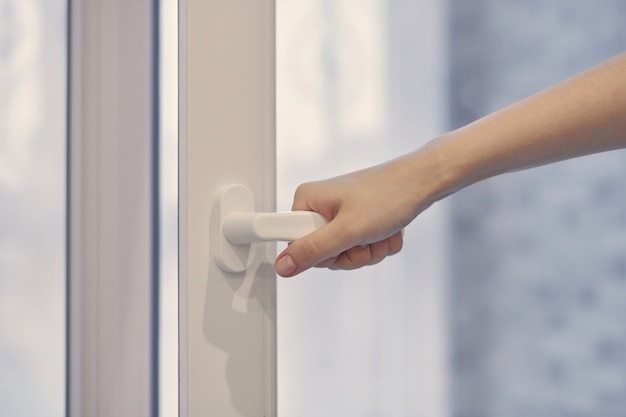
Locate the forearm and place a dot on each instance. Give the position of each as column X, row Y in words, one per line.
column 583, row 115
column 367, row 209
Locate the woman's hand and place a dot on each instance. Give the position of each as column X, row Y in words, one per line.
column 367, row 211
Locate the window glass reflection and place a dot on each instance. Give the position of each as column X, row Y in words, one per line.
column 507, row 300
column 359, row 82
column 538, row 258
column 32, row 208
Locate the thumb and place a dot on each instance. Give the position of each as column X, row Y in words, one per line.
column 308, row 251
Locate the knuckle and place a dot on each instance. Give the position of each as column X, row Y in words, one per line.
column 395, row 244
column 359, row 256
column 302, row 195
column 380, row 250
column 303, row 189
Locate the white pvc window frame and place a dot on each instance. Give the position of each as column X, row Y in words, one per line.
column 112, row 285
column 227, row 136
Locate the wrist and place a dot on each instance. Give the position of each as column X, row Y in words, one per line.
column 428, row 174
column 456, row 162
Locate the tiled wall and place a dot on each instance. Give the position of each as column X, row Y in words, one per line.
column 539, row 257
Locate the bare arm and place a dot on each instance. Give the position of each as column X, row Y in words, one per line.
column 583, row 115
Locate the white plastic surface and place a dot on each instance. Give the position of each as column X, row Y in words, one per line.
column 243, row 228
column 227, row 118
column 240, row 226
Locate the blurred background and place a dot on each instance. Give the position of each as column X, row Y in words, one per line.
column 508, row 298
column 32, row 207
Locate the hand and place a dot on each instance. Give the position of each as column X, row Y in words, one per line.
column 366, row 211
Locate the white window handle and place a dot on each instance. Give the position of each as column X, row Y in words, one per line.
column 243, row 228
column 238, row 226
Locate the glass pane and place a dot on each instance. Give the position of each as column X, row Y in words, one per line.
column 507, row 300
column 539, row 271
column 32, row 212
column 360, row 82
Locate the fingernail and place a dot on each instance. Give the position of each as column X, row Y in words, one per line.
column 285, row 266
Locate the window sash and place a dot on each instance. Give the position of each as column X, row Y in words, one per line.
column 112, row 208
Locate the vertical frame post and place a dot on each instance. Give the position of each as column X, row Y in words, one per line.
column 112, row 208
column 227, row 135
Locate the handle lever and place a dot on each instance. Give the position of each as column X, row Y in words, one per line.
column 240, row 226
column 243, row 228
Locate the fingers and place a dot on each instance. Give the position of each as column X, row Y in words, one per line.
column 371, row 254
column 326, row 242
column 292, row 260
column 364, row 216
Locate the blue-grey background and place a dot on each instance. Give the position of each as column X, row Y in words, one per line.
column 538, row 257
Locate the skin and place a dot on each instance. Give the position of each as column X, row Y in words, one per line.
column 368, row 209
